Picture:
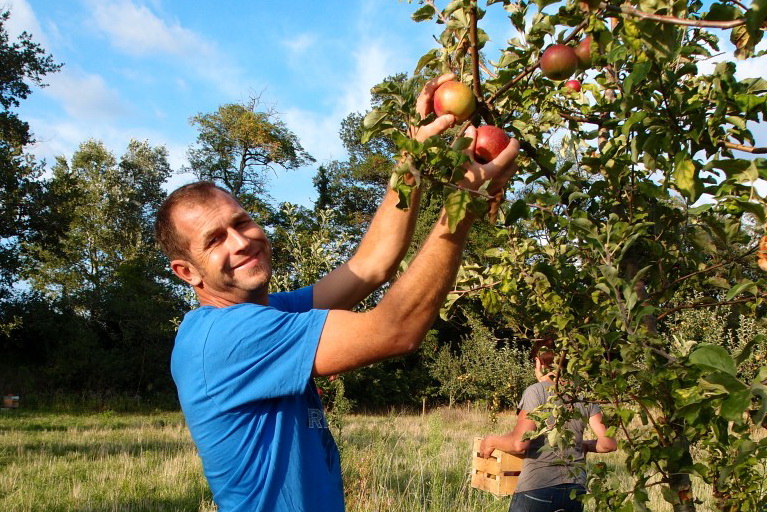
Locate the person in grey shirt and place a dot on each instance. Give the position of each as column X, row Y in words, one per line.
column 551, row 477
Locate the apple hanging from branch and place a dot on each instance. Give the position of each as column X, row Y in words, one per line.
column 490, row 141
column 573, row 85
column 583, row 53
column 454, row 98
column 558, row 62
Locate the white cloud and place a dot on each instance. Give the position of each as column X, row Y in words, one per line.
column 137, row 31
column 23, row 19
column 85, row 96
column 299, row 44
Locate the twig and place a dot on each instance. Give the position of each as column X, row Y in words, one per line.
column 743, row 147
column 673, row 20
column 579, row 119
column 487, row 70
column 698, row 272
column 473, row 50
column 655, row 425
column 475, row 289
column 696, row 305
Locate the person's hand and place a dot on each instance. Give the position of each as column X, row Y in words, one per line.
column 425, row 106
column 487, row 447
column 498, row 171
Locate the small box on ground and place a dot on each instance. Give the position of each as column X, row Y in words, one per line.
column 498, row 474
column 10, row 401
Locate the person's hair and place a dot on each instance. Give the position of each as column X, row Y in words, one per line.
column 167, row 236
column 543, row 349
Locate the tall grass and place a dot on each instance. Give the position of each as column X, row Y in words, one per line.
column 99, row 462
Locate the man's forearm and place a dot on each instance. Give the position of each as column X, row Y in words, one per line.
column 387, row 239
column 416, row 297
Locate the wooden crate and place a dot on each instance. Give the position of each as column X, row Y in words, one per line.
column 497, row 474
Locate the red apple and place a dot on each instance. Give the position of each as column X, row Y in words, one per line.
column 559, row 62
column 490, row 141
column 583, row 53
column 454, row 98
column 575, row 85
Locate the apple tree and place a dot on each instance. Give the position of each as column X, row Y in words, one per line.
column 637, row 199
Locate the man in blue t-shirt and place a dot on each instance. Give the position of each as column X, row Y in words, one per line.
column 243, row 361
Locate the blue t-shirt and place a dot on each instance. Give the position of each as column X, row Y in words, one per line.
column 243, row 375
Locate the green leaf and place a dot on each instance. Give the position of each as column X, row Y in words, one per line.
column 373, row 118
column 425, row 13
column 721, row 12
column 756, row 15
column 745, row 40
column 634, row 118
column 686, row 177
column 426, row 59
column 745, row 286
column 518, row 210
column 735, row 404
column 456, row 204
column 714, row 357
column 637, row 75
column 745, row 352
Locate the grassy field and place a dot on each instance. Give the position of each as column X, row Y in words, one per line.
column 55, row 462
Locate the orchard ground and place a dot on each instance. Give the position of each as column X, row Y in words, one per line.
column 66, row 461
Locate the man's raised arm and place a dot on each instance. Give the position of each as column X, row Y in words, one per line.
column 398, row 324
column 387, row 239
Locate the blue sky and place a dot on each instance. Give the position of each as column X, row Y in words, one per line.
column 141, row 68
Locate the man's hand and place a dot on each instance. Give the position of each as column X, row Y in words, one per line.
column 487, row 446
column 498, row 171
column 425, row 106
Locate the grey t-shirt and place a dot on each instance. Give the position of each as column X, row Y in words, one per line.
column 546, row 468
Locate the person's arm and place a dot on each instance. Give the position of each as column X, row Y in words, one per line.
column 603, row 443
column 387, row 239
column 511, row 442
column 398, row 324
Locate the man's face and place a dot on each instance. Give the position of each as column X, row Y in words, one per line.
column 230, row 255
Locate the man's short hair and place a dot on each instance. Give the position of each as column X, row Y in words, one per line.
column 175, row 246
column 543, row 349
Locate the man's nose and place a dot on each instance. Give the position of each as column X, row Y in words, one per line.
column 236, row 240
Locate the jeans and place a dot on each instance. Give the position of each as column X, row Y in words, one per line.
column 548, row 499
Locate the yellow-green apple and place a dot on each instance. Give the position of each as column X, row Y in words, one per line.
column 454, row 98
column 558, row 62
column 490, row 141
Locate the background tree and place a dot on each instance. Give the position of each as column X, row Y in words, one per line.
column 93, row 259
column 603, row 244
column 22, row 63
column 238, row 144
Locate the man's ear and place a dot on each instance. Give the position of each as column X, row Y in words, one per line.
column 186, row 271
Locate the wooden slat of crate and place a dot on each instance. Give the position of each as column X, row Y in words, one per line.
column 497, row 474
column 497, row 463
column 500, row 485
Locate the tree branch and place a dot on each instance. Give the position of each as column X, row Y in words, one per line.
column 673, row 20
column 700, row 304
column 747, row 149
column 707, row 269
column 474, row 51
